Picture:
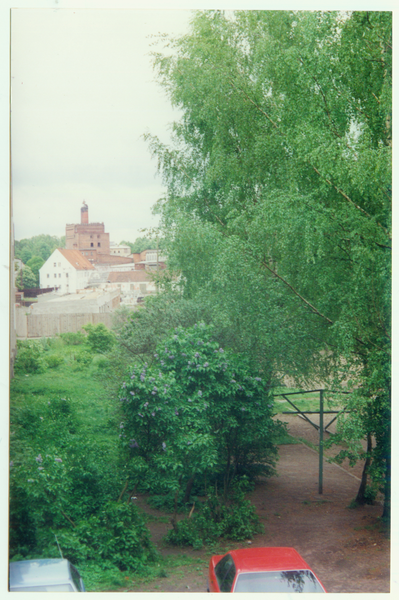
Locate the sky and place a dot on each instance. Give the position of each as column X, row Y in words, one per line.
column 83, row 91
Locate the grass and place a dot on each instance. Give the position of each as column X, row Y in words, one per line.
column 305, row 402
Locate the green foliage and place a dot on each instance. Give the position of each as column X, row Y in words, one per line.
column 99, row 338
column 235, row 520
column 196, row 409
column 64, row 474
column 280, row 173
column 73, row 339
column 37, row 246
column 140, row 244
column 35, row 263
column 54, row 361
column 26, row 279
column 30, row 357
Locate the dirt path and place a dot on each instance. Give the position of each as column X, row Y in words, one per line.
column 344, row 546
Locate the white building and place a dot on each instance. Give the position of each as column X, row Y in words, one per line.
column 66, row 270
column 119, row 250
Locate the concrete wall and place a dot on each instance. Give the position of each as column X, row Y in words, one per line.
column 32, row 326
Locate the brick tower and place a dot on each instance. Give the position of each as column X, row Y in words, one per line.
column 89, row 238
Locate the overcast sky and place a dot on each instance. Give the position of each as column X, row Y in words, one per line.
column 83, row 92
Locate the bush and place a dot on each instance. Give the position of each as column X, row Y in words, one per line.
column 73, row 339
column 54, row 360
column 99, row 338
column 30, row 357
column 236, row 520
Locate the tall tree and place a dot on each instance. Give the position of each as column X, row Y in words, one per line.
column 284, row 151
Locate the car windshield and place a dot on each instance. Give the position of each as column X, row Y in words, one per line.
column 278, row 581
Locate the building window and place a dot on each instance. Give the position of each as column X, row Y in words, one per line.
column 59, row 274
column 91, row 236
column 98, row 236
column 66, row 274
column 91, row 244
column 55, row 264
column 48, row 275
column 55, row 275
column 98, row 244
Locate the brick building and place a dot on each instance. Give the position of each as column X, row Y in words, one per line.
column 89, row 238
column 92, row 241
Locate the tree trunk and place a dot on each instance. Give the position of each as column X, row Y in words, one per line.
column 360, row 498
column 188, row 488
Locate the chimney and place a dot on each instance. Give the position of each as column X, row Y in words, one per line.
column 84, row 214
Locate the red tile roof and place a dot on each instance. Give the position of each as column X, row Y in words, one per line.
column 76, row 259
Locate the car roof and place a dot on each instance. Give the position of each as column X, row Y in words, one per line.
column 41, row 571
column 268, row 559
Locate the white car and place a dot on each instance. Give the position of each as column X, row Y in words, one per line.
column 45, row 575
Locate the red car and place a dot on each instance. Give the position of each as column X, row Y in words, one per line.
column 262, row 570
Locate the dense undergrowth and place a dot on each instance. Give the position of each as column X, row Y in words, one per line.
column 71, row 480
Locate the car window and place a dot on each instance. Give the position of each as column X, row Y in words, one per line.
column 76, row 578
column 225, row 572
column 278, row 581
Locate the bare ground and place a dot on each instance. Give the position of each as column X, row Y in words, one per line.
column 345, row 547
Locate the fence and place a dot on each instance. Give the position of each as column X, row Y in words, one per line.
column 33, row 326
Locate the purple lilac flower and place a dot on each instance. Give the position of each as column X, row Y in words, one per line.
column 171, row 356
column 199, row 393
column 189, row 400
column 205, row 405
column 146, row 364
column 258, row 379
column 145, row 403
column 257, row 403
column 196, row 355
column 175, row 337
column 163, row 446
column 162, row 362
column 132, row 393
column 142, row 377
column 206, row 364
column 49, row 402
column 133, row 444
column 242, row 408
column 153, row 393
column 156, row 355
column 140, row 415
column 188, row 443
column 31, row 481
column 233, row 381
column 58, row 460
column 221, row 350
column 189, row 362
column 153, row 414
column 240, row 387
column 198, row 366
column 176, row 412
column 132, row 376
column 41, row 418
column 39, row 458
column 40, row 468
column 121, row 426
column 11, row 463
column 183, row 354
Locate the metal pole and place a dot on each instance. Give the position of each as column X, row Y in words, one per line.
column 321, row 445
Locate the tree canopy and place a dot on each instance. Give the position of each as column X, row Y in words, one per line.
column 279, row 189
